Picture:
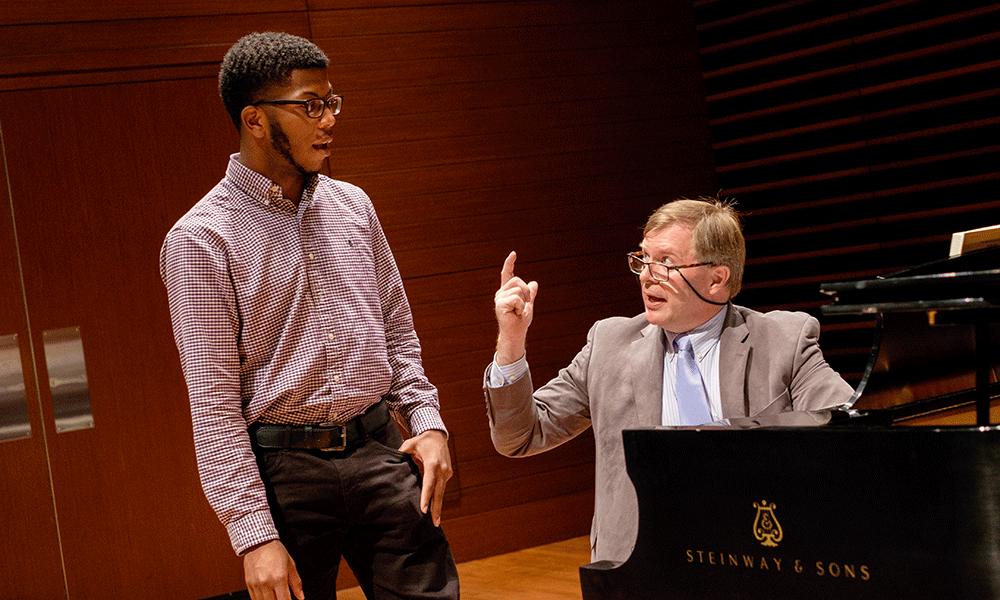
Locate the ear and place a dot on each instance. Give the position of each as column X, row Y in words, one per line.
column 253, row 121
column 720, row 280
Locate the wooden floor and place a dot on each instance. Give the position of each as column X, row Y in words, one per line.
column 549, row 572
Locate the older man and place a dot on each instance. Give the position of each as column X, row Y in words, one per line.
column 691, row 358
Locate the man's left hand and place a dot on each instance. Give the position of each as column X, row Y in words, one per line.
column 430, row 450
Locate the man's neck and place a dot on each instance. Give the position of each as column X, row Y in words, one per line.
column 291, row 181
column 705, row 323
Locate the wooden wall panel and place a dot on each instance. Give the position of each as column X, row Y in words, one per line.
column 130, row 44
column 522, row 525
column 550, row 127
column 71, row 13
column 333, row 16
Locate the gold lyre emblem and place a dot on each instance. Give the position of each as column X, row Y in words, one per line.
column 766, row 528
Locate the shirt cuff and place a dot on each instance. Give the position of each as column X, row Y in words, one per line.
column 501, row 375
column 426, row 418
column 253, row 529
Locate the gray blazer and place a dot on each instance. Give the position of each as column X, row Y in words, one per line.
column 768, row 363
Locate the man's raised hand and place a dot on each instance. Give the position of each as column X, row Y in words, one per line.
column 514, row 305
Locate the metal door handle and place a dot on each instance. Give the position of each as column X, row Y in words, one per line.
column 67, row 379
column 14, row 421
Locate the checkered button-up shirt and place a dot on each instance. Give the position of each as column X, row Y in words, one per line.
column 285, row 314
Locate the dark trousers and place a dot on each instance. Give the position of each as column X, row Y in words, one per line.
column 364, row 505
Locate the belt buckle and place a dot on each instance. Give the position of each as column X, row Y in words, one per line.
column 343, row 438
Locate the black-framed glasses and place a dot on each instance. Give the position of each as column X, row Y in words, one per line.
column 314, row 106
column 658, row 271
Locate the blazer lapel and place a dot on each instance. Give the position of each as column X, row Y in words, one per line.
column 734, row 352
column 647, row 375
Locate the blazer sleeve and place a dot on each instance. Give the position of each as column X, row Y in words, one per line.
column 815, row 385
column 524, row 421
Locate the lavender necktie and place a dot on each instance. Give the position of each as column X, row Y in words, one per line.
column 692, row 401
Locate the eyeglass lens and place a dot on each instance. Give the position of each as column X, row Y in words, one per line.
column 657, row 271
column 315, row 106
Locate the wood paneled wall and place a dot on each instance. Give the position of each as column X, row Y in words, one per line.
column 859, row 135
column 548, row 127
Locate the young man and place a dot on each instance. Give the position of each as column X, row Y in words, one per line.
column 692, row 358
column 296, row 342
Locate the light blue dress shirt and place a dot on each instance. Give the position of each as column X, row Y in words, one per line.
column 705, row 341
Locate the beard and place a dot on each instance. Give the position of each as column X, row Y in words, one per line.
column 281, row 145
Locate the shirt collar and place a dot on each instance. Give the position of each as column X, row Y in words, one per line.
column 262, row 189
column 703, row 337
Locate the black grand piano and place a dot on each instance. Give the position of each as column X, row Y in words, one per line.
column 849, row 503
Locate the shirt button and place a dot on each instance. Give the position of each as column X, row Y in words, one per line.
column 336, row 378
column 267, row 202
column 331, row 337
column 312, row 256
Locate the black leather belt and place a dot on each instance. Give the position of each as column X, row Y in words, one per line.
column 328, row 437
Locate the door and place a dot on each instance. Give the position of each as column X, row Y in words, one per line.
column 31, row 565
column 97, row 175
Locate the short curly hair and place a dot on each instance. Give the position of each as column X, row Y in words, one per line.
column 259, row 60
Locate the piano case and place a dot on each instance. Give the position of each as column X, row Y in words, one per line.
column 817, row 512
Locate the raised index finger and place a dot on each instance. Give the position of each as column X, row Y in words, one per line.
column 508, row 268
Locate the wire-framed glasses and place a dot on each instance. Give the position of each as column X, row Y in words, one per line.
column 314, row 106
column 658, row 271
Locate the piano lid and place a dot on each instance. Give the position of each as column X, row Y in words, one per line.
column 966, row 282
column 938, row 330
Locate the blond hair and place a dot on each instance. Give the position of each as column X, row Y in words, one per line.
column 715, row 231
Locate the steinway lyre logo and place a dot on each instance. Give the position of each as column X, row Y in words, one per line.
column 766, row 528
